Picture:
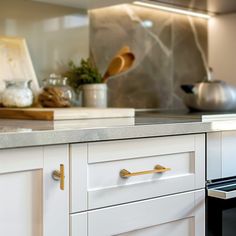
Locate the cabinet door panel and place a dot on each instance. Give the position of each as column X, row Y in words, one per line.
column 56, row 201
column 32, row 203
column 221, row 158
column 183, row 155
column 78, row 178
column 21, row 203
column 228, row 154
column 214, row 155
column 20, row 159
column 152, row 217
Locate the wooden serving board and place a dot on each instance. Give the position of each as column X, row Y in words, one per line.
column 64, row 113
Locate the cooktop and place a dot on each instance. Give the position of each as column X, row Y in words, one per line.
column 183, row 115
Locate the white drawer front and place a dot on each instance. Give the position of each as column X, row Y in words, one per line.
column 78, row 224
column 185, row 159
column 184, row 155
column 180, row 214
column 121, row 150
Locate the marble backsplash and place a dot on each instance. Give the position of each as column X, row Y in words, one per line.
column 170, row 50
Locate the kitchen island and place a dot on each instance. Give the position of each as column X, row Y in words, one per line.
column 105, row 177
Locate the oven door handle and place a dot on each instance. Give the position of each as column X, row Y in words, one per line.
column 220, row 193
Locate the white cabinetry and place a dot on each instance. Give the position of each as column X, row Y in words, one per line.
column 56, row 200
column 32, row 203
column 221, row 158
column 79, row 224
column 170, row 202
column 163, row 193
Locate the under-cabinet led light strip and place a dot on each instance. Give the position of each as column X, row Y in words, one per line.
column 172, row 9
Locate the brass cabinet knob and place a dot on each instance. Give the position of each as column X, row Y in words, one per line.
column 60, row 176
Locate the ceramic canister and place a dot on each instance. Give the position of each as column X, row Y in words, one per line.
column 17, row 94
column 94, row 95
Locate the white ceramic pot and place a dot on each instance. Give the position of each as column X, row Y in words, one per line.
column 94, row 95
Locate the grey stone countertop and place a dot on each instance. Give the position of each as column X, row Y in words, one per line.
column 22, row 133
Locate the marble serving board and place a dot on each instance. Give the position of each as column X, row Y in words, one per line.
column 64, row 113
column 16, row 62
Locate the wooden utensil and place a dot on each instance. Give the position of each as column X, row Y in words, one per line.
column 129, row 59
column 122, row 62
column 123, row 50
column 116, row 66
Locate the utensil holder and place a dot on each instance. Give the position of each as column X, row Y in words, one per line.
column 94, row 95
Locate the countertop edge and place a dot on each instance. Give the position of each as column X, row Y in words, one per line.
column 56, row 137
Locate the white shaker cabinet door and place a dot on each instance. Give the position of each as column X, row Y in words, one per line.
column 31, row 202
column 221, row 158
column 56, row 192
column 21, row 174
column 21, row 204
column 228, row 147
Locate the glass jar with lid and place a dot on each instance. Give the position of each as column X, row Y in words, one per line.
column 57, row 92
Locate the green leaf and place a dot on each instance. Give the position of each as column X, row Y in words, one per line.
column 85, row 73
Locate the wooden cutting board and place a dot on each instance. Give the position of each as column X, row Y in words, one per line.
column 64, row 113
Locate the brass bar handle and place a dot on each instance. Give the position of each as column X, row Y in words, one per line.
column 157, row 169
column 60, row 176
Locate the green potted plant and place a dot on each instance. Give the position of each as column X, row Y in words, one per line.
column 87, row 78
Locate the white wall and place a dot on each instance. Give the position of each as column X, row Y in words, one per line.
column 54, row 34
column 222, row 47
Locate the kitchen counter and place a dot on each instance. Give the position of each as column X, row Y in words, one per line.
column 21, row 133
column 83, row 167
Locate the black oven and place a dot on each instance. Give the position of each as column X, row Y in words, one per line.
column 221, row 208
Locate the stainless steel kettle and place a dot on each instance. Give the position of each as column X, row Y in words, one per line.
column 210, row 95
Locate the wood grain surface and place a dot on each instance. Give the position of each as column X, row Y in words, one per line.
column 64, row 113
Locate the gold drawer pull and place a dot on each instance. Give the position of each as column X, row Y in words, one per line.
column 60, row 175
column 157, row 169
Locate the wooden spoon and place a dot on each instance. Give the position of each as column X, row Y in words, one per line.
column 122, row 62
column 123, row 50
column 129, row 59
column 116, row 66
